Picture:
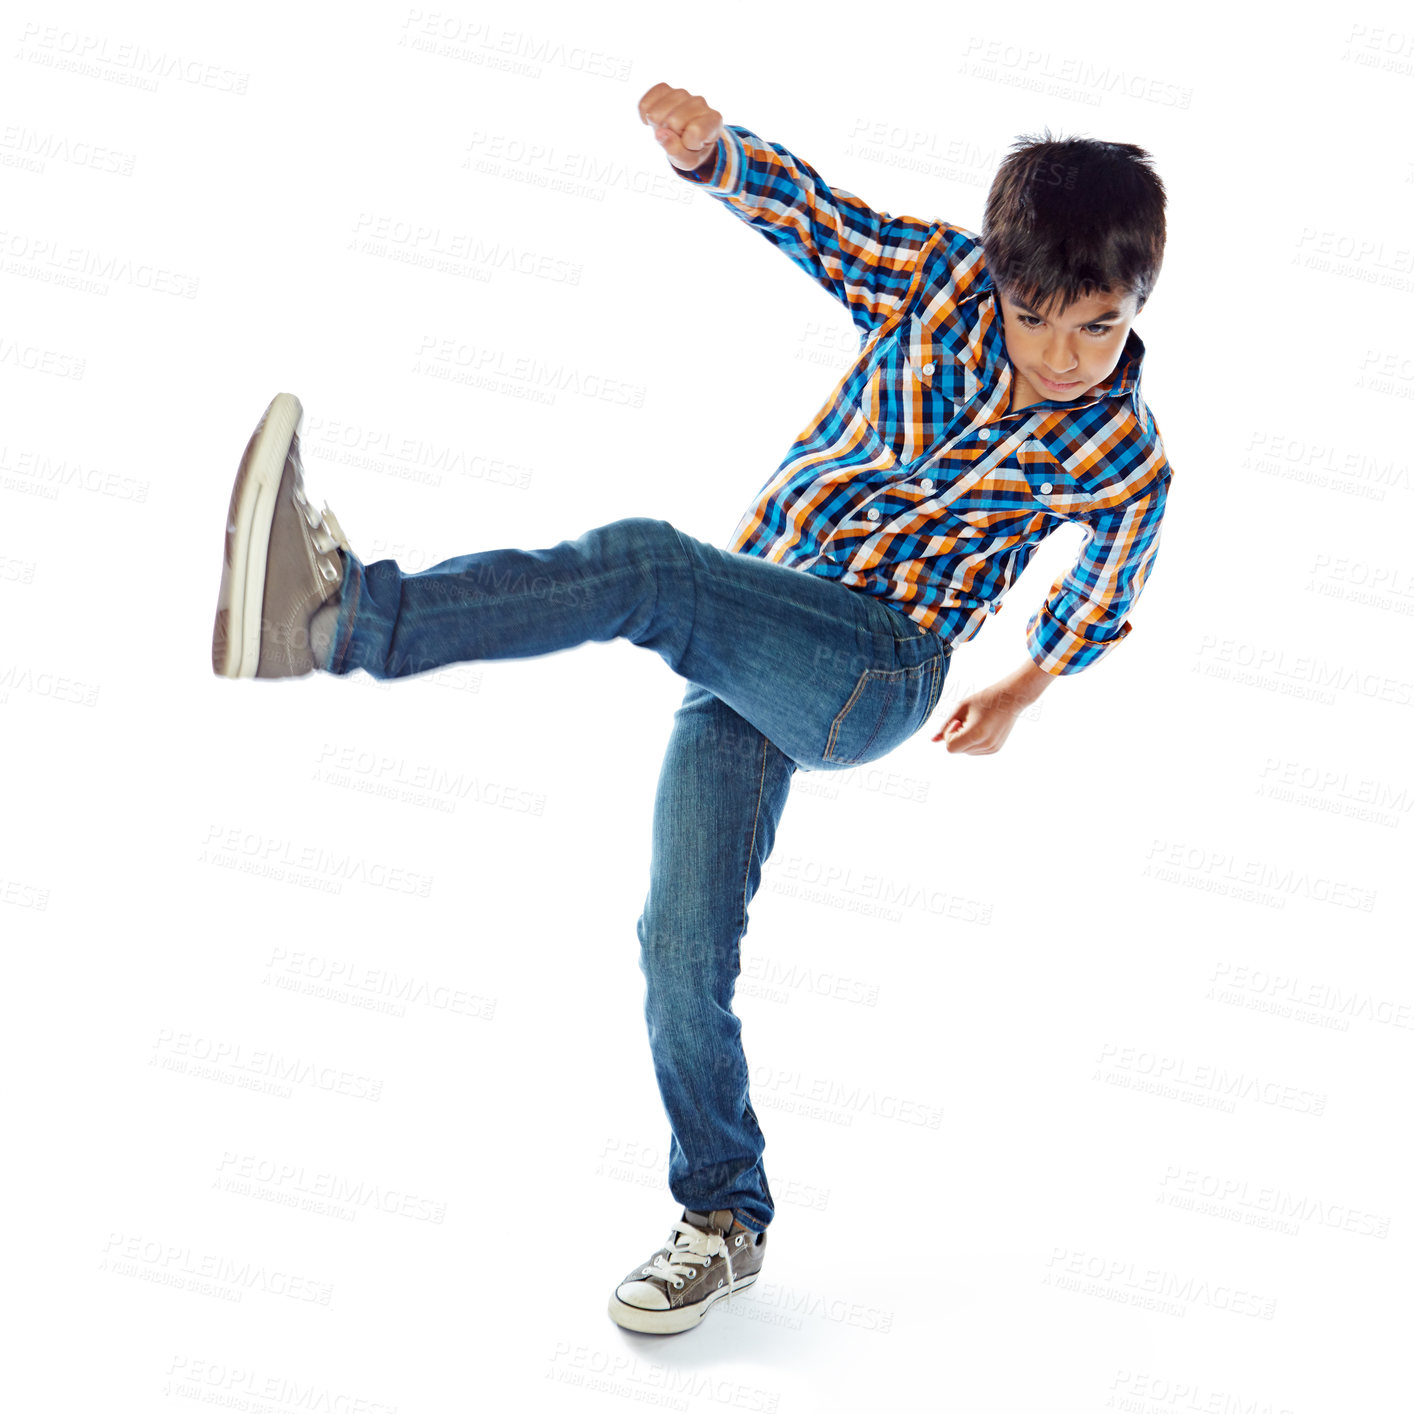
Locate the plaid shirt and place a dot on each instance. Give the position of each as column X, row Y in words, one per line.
column 914, row 482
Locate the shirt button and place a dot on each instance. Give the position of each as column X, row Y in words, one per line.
column 1046, row 488
column 927, row 483
column 928, row 369
column 985, row 433
column 873, row 513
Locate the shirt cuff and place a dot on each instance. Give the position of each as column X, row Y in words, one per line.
column 725, row 174
column 1060, row 651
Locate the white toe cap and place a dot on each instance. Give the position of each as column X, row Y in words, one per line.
column 644, row 1294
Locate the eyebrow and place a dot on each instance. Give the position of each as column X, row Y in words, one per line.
column 1026, row 309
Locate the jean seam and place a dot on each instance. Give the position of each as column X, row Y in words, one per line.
column 937, row 691
column 746, row 876
column 883, row 714
column 829, row 753
column 751, row 847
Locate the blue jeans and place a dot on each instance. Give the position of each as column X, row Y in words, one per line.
column 784, row 668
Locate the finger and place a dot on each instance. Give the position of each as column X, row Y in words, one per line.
column 695, row 142
column 661, row 105
column 683, row 157
column 678, row 155
column 952, row 725
column 673, row 144
column 689, row 119
column 651, row 101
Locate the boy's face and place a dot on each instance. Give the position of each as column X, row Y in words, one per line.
column 1062, row 354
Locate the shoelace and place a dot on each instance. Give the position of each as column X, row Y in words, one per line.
column 324, row 530
column 672, row 1264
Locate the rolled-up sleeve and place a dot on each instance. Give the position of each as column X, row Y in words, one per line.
column 1085, row 613
column 864, row 258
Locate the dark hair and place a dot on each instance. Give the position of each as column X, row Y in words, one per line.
column 1069, row 217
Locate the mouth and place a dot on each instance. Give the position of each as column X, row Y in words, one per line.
column 1059, row 387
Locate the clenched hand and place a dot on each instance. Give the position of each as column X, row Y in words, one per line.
column 683, row 123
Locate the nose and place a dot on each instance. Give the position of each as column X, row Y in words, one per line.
column 1060, row 361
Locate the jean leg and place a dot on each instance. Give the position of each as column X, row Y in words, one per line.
column 509, row 603
column 831, row 676
column 721, row 791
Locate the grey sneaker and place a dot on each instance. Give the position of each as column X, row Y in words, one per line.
column 707, row 1256
column 282, row 561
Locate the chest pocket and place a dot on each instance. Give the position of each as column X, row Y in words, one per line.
column 914, row 390
column 937, row 368
column 1052, row 487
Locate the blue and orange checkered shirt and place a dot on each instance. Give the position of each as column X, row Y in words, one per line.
column 914, row 482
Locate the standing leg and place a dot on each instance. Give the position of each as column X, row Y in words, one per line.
column 720, row 795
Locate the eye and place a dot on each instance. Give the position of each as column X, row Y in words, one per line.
column 1096, row 331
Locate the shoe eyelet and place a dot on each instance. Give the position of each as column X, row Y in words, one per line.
column 721, row 1284
column 678, row 1283
column 690, row 1272
column 327, row 569
column 738, row 1240
column 706, row 1261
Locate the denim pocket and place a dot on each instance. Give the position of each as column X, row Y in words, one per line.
column 886, row 707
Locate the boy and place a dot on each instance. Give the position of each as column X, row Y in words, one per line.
column 994, row 397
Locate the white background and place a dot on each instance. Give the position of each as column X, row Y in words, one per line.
column 1084, row 1067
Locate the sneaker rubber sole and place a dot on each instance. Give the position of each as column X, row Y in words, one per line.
column 673, row 1320
column 235, row 644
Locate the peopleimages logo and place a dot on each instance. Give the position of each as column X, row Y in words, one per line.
column 253, row 852
column 98, row 56
column 54, row 261
column 210, row 1058
column 1174, row 1077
